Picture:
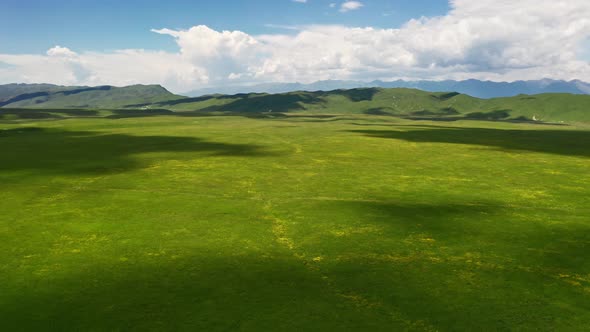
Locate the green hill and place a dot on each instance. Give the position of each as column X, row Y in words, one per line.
column 9, row 91
column 400, row 102
column 403, row 102
column 48, row 96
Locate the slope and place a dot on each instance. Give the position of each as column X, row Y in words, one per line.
column 90, row 97
column 404, row 102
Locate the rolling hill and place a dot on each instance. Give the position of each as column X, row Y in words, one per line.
column 403, row 102
column 472, row 87
column 9, row 91
column 53, row 96
column 400, row 102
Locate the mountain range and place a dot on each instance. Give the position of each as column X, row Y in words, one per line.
column 19, row 101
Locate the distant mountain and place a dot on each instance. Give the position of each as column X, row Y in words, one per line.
column 54, row 96
column 475, row 88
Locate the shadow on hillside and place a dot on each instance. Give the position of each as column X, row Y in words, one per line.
column 72, row 152
column 124, row 114
column 355, row 95
column 247, row 103
column 45, row 114
column 267, row 103
column 562, row 142
column 26, row 96
column 289, row 102
column 261, row 102
column 449, row 114
column 444, row 95
column 64, row 114
column 192, row 100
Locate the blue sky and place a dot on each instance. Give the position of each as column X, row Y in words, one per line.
column 187, row 45
column 37, row 25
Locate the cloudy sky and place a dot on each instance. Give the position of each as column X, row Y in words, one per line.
column 186, row 45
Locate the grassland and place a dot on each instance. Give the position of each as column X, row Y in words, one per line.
column 292, row 222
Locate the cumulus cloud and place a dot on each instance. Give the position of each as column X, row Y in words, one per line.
column 61, row 51
column 220, row 54
column 119, row 68
column 202, row 44
column 487, row 39
column 350, row 5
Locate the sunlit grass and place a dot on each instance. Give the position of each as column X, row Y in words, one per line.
column 290, row 223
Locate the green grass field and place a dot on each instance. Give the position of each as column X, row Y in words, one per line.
column 300, row 222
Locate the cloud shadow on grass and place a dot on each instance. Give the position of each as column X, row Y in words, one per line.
column 561, row 142
column 232, row 290
column 75, row 152
column 208, row 293
column 459, row 265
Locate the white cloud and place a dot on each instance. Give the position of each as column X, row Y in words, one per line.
column 119, row 68
column 350, row 5
column 487, row 39
column 300, row 1
column 219, row 53
column 61, row 51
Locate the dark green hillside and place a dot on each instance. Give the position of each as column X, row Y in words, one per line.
column 401, row 102
column 411, row 103
column 9, row 91
column 89, row 97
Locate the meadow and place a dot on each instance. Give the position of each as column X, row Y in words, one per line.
column 292, row 222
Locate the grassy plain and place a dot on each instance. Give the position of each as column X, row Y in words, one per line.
column 300, row 222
